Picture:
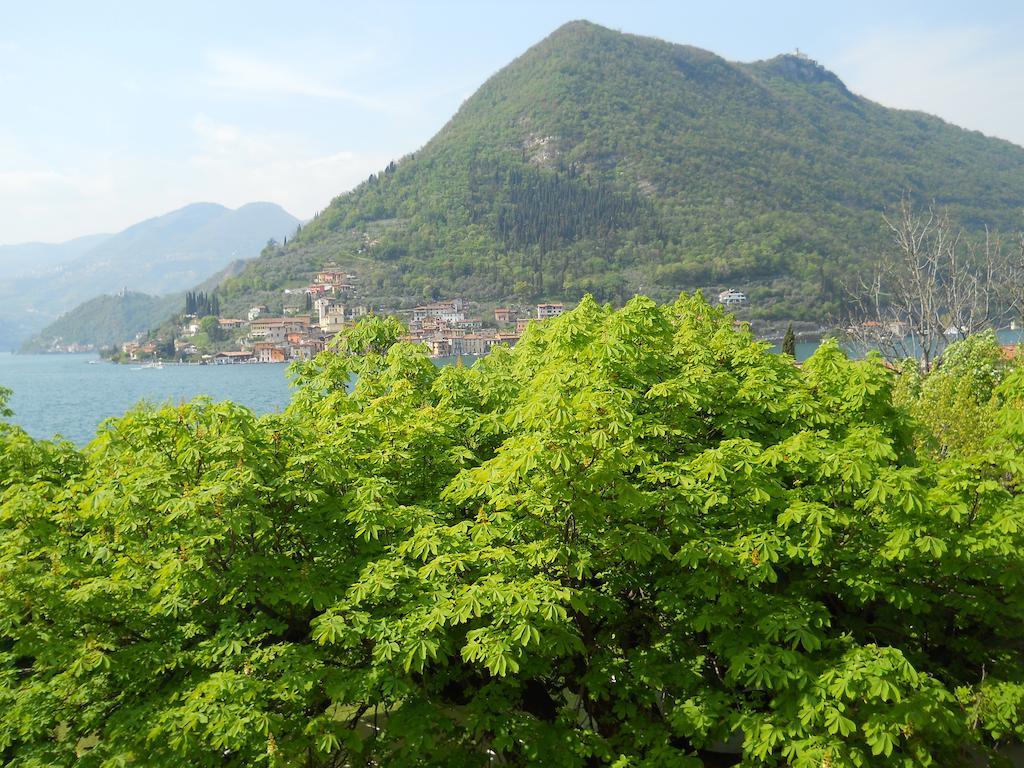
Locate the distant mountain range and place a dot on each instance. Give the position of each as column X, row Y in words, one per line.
column 162, row 255
column 609, row 163
column 109, row 319
column 37, row 259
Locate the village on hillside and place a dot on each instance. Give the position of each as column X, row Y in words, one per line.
column 330, row 304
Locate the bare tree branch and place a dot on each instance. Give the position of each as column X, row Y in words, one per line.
column 933, row 287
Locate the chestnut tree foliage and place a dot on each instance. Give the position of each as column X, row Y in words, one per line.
column 636, row 539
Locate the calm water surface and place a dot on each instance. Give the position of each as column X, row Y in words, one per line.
column 69, row 396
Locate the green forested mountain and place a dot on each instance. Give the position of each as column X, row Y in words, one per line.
column 107, row 320
column 611, row 163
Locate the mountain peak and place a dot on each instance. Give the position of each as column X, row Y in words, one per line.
column 579, row 27
column 610, row 163
column 799, row 68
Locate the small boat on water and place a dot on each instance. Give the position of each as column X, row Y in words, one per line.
column 158, row 365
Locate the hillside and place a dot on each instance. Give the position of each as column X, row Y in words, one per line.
column 610, row 163
column 107, row 320
column 178, row 249
column 162, row 255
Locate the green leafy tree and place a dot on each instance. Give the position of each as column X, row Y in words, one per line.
column 636, row 539
column 789, row 342
column 958, row 402
column 211, row 327
column 165, row 348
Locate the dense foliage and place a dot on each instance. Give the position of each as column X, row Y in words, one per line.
column 958, row 403
column 105, row 321
column 636, row 539
column 202, row 304
column 602, row 162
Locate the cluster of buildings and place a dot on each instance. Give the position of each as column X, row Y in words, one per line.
column 300, row 333
column 278, row 339
column 303, row 331
column 136, row 350
column 328, row 306
column 447, row 332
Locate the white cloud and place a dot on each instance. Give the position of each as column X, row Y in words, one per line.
column 247, row 74
column 968, row 76
column 236, row 166
column 226, row 164
column 217, row 138
column 24, row 180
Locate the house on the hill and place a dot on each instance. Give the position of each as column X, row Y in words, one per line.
column 256, row 311
column 546, row 311
column 732, row 298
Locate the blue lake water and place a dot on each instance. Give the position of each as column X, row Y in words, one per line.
column 70, row 395
column 66, row 395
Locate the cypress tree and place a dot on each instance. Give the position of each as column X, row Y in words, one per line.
column 789, row 342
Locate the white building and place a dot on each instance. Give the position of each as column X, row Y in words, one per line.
column 321, row 306
column 276, row 329
column 732, row 298
column 449, row 311
column 333, row 318
column 545, row 311
column 232, row 358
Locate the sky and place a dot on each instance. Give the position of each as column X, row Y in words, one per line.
column 116, row 112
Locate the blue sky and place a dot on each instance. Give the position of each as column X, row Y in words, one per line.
column 114, row 112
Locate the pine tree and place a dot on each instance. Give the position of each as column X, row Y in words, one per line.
column 789, row 342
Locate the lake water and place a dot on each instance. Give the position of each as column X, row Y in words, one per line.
column 66, row 395
column 70, row 395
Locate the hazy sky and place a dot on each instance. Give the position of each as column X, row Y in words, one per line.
column 112, row 113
